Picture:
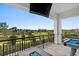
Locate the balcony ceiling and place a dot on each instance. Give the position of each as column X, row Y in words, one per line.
column 63, row 9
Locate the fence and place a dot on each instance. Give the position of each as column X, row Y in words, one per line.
column 10, row 46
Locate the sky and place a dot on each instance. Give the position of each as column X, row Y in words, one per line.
column 21, row 19
column 71, row 23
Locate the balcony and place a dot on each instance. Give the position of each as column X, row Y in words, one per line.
column 42, row 44
column 11, row 47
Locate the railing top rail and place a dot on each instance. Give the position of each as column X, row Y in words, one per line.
column 23, row 38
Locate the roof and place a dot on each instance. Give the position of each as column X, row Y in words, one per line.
column 63, row 9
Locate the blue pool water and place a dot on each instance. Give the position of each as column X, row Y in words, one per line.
column 73, row 41
column 35, row 54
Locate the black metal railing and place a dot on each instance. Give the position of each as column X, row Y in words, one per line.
column 69, row 35
column 13, row 46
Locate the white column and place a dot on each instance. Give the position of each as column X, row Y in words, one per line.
column 57, row 30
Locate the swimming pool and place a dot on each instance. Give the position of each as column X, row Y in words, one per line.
column 35, row 53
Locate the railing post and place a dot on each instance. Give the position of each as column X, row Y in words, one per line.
column 40, row 39
column 49, row 38
column 23, row 39
column 3, row 49
column 34, row 41
column 43, row 41
column 9, row 49
column 0, row 50
column 30, row 42
column 22, row 44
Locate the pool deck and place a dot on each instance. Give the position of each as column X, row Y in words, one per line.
column 50, row 49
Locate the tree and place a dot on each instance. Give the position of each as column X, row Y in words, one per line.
column 30, row 32
column 3, row 28
column 13, row 30
column 13, row 37
column 3, row 25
